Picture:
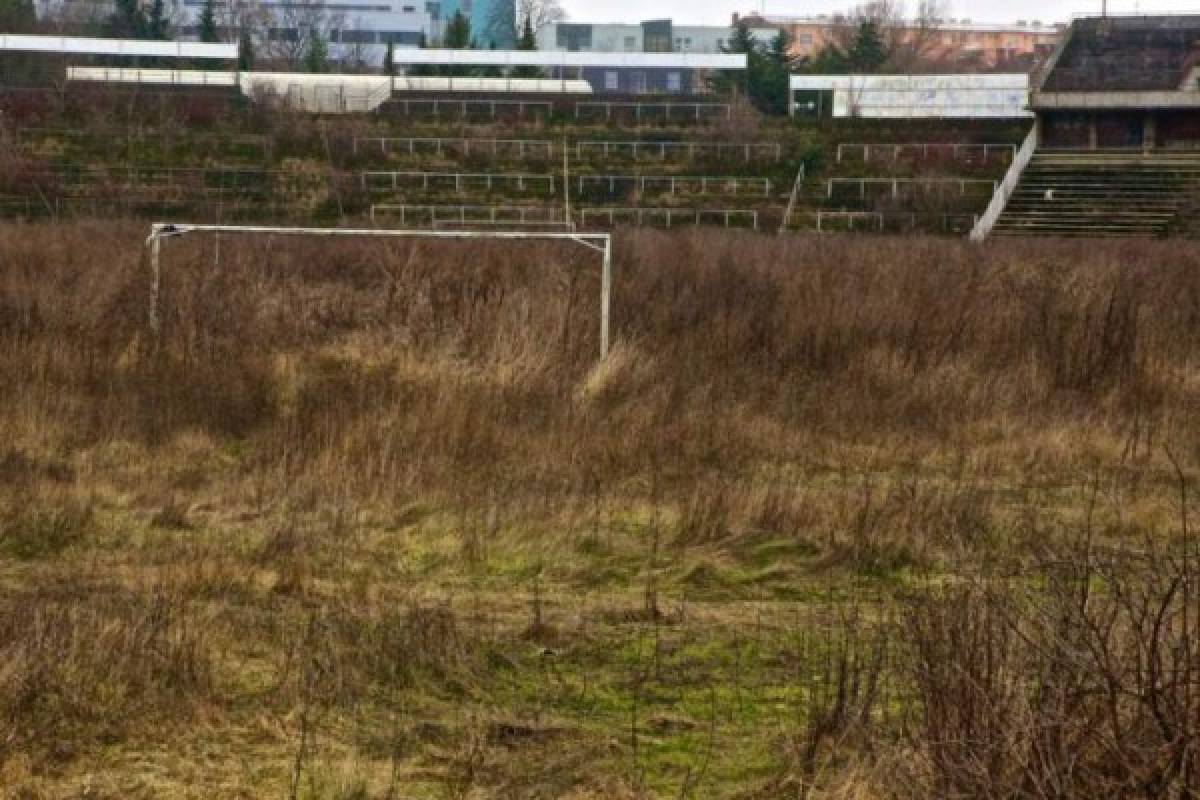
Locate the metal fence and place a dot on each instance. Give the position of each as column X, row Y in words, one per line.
column 761, row 151
column 461, row 146
column 670, row 217
column 407, row 214
column 892, row 186
column 665, row 111
column 925, row 151
column 882, row 222
column 459, row 182
column 676, row 184
column 437, row 107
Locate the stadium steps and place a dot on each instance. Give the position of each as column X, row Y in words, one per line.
column 1111, row 194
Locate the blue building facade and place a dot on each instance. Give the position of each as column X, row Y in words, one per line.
column 493, row 22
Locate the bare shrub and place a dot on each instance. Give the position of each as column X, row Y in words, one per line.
column 77, row 666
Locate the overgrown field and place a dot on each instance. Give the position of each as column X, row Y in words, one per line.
column 837, row 518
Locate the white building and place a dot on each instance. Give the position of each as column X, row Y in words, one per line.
column 652, row 36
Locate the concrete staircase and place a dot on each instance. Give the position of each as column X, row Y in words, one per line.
column 1102, row 194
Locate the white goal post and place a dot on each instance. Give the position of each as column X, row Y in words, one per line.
column 599, row 242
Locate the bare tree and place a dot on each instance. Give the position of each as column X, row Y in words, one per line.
column 908, row 40
column 291, row 30
column 540, row 13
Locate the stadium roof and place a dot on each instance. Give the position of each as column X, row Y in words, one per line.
column 562, row 58
column 116, row 47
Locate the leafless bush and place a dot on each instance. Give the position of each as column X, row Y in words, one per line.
column 78, row 665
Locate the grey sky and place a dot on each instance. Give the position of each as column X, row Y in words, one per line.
column 719, row 11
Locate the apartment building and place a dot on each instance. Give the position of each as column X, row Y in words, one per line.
column 651, row 36
column 960, row 44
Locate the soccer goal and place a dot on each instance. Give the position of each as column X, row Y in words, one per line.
column 598, row 242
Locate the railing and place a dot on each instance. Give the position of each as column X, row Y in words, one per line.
column 748, row 152
column 1006, row 188
column 672, row 184
column 379, row 96
column 470, row 215
column 923, row 150
column 191, row 178
column 894, row 184
column 436, row 105
column 23, row 134
column 672, row 217
column 793, row 198
column 699, row 110
column 394, row 181
column 548, row 148
column 463, row 146
column 877, row 221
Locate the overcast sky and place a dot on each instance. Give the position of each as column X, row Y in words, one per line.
column 714, row 12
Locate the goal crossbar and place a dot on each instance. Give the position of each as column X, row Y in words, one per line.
column 598, row 242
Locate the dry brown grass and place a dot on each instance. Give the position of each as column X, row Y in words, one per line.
column 371, row 521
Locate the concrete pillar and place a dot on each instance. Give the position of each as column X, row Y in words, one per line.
column 1093, row 134
column 1149, row 131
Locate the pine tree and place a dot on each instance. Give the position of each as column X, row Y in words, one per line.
column 246, row 54
column 775, row 77
column 17, row 16
column 127, row 20
column 527, row 43
column 741, row 43
column 458, row 33
column 316, row 55
column 458, row 37
column 528, row 40
column 868, row 53
column 389, row 60
column 158, row 26
column 208, row 22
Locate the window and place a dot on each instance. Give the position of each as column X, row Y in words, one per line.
column 804, row 38
column 412, row 38
column 637, row 82
column 612, row 81
column 674, row 82
column 630, row 44
column 358, row 37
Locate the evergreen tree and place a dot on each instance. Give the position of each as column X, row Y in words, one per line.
column 765, row 81
column 158, row 26
column 773, row 80
column 458, row 33
column 389, row 60
column 458, row 37
column 316, row 54
column 246, row 54
column 17, row 16
column 868, row 53
column 527, row 43
column 127, row 20
column 421, row 70
column 208, row 22
column 528, row 40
